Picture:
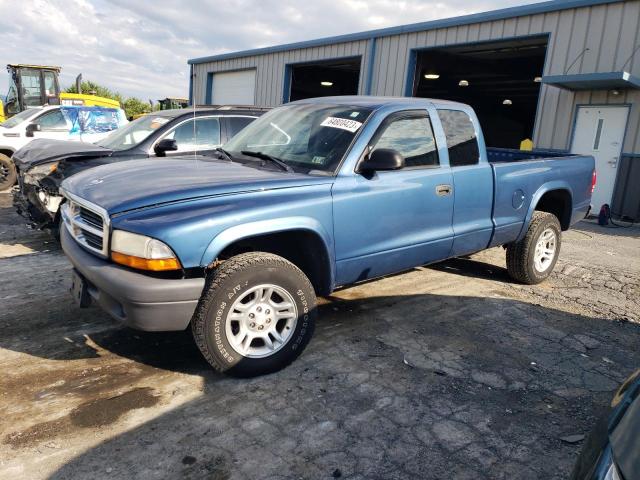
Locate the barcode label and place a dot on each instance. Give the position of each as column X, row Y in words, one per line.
column 342, row 123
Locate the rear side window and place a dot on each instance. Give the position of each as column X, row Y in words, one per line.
column 206, row 134
column 236, row 124
column 413, row 138
column 461, row 138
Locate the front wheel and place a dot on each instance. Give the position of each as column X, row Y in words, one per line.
column 531, row 260
column 8, row 174
column 256, row 315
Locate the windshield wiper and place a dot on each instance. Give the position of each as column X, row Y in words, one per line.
column 271, row 158
column 224, row 153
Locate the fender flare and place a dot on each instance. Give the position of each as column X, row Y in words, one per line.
column 263, row 227
column 7, row 149
column 544, row 188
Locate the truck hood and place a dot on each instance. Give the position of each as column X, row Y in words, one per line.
column 130, row 185
column 42, row 150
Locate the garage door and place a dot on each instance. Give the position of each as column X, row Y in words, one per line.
column 237, row 88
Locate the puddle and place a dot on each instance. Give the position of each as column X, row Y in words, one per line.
column 92, row 414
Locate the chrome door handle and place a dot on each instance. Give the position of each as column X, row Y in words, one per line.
column 444, row 190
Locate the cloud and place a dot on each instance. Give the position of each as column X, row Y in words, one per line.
column 140, row 48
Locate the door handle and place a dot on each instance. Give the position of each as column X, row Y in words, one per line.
column 444, row 190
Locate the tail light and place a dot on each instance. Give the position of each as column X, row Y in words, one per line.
column 593, row 181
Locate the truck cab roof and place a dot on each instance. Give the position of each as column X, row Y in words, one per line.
column 208, row 109
column 375, row 103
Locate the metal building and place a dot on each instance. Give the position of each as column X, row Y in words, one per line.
column 564, row 73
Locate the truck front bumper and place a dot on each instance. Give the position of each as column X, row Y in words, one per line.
column 137, row 300
column 28, row 205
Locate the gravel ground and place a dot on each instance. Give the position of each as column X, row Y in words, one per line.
column 448, row 371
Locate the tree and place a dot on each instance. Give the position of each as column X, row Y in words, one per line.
column 132, row 106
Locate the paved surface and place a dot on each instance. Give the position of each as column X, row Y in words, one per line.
column 450, row 371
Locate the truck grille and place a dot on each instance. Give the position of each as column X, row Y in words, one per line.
column 91, row 218
column 88, row 224
column 92, row 240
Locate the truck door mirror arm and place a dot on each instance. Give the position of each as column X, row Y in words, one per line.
column 32, row 128
column 381, row 159
column 165, row 145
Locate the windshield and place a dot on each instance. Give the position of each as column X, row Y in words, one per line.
column 134, row 133
column 308, row 137
column 20, row 117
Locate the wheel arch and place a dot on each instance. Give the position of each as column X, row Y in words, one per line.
column 303, row 241
column 7, row 151
column 555, row 198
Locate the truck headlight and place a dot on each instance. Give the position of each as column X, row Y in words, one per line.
column 37, row 173
column 141, row 252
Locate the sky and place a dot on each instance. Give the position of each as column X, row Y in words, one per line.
column 141, row 47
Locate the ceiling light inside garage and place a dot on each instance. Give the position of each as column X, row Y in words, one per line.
column 326, row 84
column 463, row 83
column 537, row 79
column 431, row 76
column 506, row 101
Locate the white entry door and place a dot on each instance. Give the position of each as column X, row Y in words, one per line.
column 234, row 88
column 599, row 131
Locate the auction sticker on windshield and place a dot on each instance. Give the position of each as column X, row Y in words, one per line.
column 342, row 123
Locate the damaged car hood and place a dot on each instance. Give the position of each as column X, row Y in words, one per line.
column 44, row 150
column 137, row 184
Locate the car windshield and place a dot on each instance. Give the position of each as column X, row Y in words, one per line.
column 134, row 133
column 310, row 138
column 20, row 117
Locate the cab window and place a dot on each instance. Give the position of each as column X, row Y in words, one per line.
column 413, row 137
column 31, row 87
column 462, row 143
column 50, row 85
column 11, row 101
column 53, row 120
column 205, row 135
column 236, row 124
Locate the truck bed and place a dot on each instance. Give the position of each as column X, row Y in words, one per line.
column 520, row 180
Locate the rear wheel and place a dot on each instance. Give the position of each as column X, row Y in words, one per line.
column 256, row 315
column 532, row 259
column 8, row 173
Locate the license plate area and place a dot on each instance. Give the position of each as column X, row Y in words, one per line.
column 79, row 290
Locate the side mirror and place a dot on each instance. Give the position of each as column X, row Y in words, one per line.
column 382, row 159
column 31, row 128
column 165, row 145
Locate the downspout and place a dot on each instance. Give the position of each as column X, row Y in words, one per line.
column 191, row 75
column 371, row 60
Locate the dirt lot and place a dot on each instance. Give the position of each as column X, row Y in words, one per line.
column 450, row 371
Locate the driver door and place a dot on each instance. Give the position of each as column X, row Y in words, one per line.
column 54, row 125
column 391, row 221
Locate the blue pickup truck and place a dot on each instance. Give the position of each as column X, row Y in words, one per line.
column 312, row 196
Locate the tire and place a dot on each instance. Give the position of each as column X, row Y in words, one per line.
column 528, row 263
column 229, row 309
column 8, row 174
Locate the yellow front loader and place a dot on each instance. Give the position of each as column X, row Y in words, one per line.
column 37, row 85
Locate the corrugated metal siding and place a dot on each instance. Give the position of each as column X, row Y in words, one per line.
column 626, row 196
column 271, row 69
column 610, row 31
